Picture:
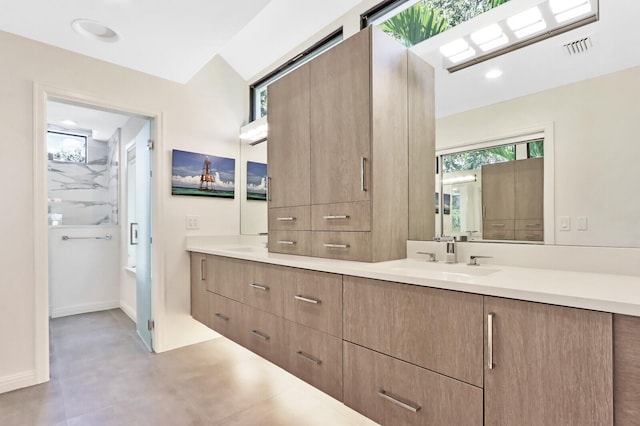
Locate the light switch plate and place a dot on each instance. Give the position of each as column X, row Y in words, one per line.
column 192, row 222
column 583, row 223
column 565, row 223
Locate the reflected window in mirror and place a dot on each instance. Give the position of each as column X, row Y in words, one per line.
column 492, row 191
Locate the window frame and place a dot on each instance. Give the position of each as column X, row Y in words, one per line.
column 379, row 10
column 75, row 135
column 316, row 49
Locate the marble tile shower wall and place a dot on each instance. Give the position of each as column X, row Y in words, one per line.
column 86, row 194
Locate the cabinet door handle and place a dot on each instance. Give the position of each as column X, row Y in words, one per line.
column 259, row 287
column 363, row 188
column 328, row 245
column 484, row 212
column 306, row 299
column 286, row 243
column 285, row 219
column 203, row 272
column 498, row 225
column 531, row 225
column 309, row 358
column 269, row 188
column 222, row 317
column 334, row 217
column 414, row 408
column 260, row 335
column 490, row 363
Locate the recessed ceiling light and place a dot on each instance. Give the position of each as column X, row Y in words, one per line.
column 69, row 122
column 95, row 30
column 493, row 74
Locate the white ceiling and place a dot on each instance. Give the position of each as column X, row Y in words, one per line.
column 173, row 40
column 102, row 123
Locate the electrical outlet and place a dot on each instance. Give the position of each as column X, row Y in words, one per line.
column 565, row 223
column 583, row 223
column 192, row 222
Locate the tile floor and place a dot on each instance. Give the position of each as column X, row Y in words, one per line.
column 101, row 374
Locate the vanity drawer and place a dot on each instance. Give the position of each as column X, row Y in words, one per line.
column 290, row 218
column 263, row 334
column 530, row 224
column 228, row 276
column 342, row 245
column 314, row 299
column 529, row 235
column 226, row 317
column 290, row 242
column 354, row 216
column 499, row 225
column 441, row 330
column 265, row 291
column 393, row 392
column 315, row 357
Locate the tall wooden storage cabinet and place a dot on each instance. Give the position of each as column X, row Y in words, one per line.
column 353, row 115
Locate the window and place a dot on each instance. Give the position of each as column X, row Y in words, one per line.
column 413, row 21
column 535, row 149
column 473, row 160
column 258, row 90
column 66, row 147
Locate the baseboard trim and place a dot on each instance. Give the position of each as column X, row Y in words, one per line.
column 127, row 309
column 82, row 309
column 18, row 381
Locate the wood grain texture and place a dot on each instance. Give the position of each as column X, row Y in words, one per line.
column 359, row 245
column 340, row 121
column 271, row 345
column 358, row 216
column 498, row 191
column 326, row 374
column 199, row 301
column 288, row 150
column 271, row 277
column 325, row 316
column 529, row 188
column 278, row 218
column 226, row 316
column 421, row 116
column 228, row 277
column 301, row 239
column 436, row 329
column 442, row 400
column 626, row 370
column 553, row 365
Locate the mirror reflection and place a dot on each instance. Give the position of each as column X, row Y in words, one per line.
column 492, row 192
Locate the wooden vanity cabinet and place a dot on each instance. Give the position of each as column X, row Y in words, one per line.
column 436, row 329
column 198, row 278
column 393, row 392
column 228, row 277
column 226, row 316
column 626, row 363
column 550, row 365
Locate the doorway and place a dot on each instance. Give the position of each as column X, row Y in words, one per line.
column 108, row 225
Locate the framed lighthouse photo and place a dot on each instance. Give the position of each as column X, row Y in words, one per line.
column 202, row 175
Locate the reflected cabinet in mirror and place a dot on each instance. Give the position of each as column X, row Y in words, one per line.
column 493, row 191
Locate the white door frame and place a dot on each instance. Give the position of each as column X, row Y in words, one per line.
column 41, row 94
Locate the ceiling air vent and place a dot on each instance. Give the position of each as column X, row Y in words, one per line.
column 578, row 46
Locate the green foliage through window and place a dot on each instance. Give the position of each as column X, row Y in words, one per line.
column 473, row 160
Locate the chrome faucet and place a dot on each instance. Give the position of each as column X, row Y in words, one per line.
column 473, row 260
column 431, row 256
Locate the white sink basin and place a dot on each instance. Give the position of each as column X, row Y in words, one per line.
column 444, row 269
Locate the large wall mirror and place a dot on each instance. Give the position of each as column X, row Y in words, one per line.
column 253, row 178
column 493, row 190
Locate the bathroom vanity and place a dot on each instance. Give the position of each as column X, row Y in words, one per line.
column 416, row 342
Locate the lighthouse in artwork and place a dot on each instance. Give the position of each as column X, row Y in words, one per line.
column 207, row 181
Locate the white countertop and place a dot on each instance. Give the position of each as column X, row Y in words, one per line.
column 601, row 292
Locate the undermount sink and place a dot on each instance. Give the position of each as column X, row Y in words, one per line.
column 445, row 269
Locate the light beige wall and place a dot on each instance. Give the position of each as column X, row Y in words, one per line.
column 597, row 148
column 202, row 116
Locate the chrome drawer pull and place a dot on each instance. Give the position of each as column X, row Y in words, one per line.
column 490, row 340
column 334, row 217
column 203, row 271
column 222, row 317
column 531, row 225
column 287, row 243
column 306, row 299
column 286, row 219
column 269, row 188
column 259, row 287
column 343, row 246
column 399, row 401
column 498, row 225
column 309, row 358
column 260, row 335
column 363, row 188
